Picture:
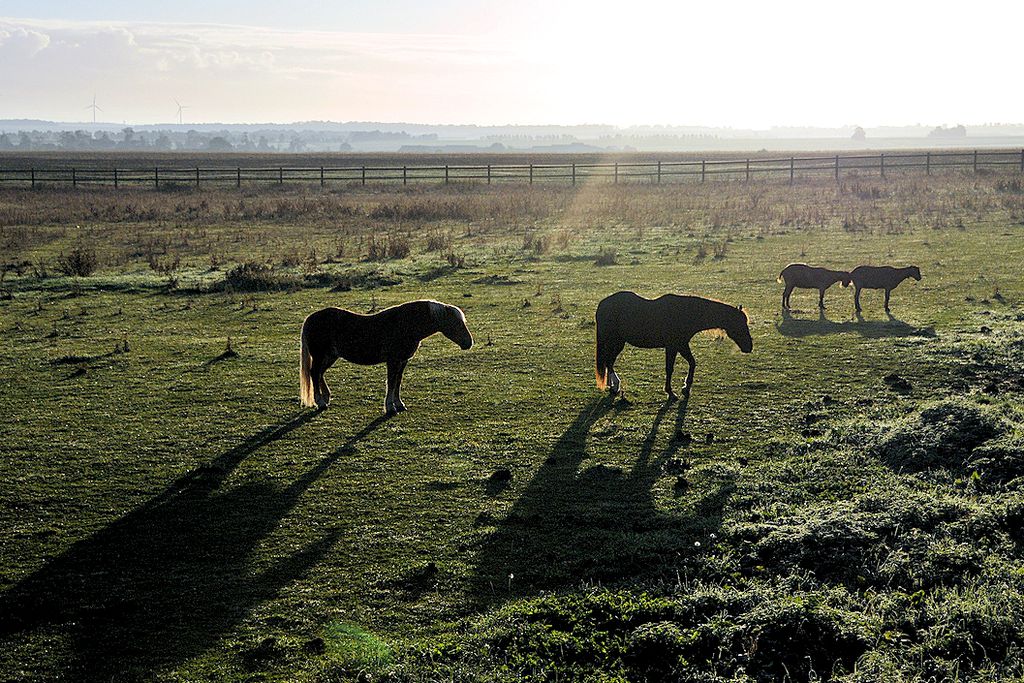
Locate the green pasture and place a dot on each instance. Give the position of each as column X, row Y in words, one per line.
column 168, row 511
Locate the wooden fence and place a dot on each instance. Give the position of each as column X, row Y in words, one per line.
column 789, row 168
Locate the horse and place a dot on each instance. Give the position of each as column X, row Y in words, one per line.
column 668, row 322
column 803, row 276
column 391, row 336
column 880, row 277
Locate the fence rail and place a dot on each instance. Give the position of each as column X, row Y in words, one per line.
column 791, row 168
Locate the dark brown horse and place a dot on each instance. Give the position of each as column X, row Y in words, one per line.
column 391, row 336
column 880, row 277
column 803, row 276
column 668, row 322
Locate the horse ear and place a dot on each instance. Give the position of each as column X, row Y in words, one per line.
column 740, row 307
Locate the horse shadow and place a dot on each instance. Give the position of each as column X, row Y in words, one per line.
column 575, row 525
column 892, row 326
column 159, row 585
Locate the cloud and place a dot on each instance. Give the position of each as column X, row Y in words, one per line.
column 137, row 67
column 17, row 42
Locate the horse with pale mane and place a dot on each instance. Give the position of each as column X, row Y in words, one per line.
column 668, row 322
column 391, row 336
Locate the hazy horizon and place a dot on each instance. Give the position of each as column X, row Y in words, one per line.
column 736, row 64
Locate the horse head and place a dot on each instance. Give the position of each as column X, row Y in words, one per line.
column 846, row 279
column 451, row 322
column 738, row 329
column 915, row 273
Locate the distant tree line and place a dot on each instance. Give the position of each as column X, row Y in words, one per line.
column 129, row 139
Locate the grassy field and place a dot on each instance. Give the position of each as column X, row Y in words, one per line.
column 846, row 502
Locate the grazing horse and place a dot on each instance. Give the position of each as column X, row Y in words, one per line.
column 803, row 276
column 880, row 277
column 668, row 322
column 391, row 336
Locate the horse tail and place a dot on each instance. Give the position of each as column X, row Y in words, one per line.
column 779, row 278
column 601, row 360
column 305, row 375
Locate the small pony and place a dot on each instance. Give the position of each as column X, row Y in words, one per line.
column 803, row 276
column 880, row 277
column 391, row 336
column 668, row 322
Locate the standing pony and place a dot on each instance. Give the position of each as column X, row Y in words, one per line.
column 391, row 336
column 803, row 276
column 668, row 322
column 880, row 277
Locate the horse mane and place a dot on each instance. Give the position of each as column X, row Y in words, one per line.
column 720, row 332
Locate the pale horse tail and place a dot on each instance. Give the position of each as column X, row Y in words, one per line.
column 305, row 376
column 600, row 360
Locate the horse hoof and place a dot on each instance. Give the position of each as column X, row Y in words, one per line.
column 672, row 398
column 400, row 408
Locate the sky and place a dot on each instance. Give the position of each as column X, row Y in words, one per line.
column 730, row 63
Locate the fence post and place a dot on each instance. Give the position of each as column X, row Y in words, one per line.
column 574, row 174
column 405, row 175
column 115, row 177
column 446, row 174
column 659, row 172
column 792, row 162
column 364, row 174
column 238, row 176
column 488, row 174
column 280, row 175
column 33, row 171
column 321, row 176
column 616, row 173
column 702, row 169
column 1021, row 156
column 975, row 161
column 927, row 163
column 748, row 170
column 1022, row 161
column 156, row 176
column 74, row 178
column 197, row 177
column 837, row 167
column 881, row 164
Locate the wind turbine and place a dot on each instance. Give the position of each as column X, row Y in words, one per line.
column 94, row 108
column 180, row 108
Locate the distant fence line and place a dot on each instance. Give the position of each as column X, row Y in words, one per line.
column 792, row 167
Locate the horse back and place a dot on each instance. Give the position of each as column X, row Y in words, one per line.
column 874, row 277
column 368, row 339
column 667, row 321
column 805, row 276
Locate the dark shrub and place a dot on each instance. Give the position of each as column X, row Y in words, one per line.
column 257, row 277
column 81, row 262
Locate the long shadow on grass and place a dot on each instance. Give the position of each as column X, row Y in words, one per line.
column 872, row 329
column 164, row 582
column 577, row 524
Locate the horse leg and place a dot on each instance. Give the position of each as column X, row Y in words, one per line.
column 321, row 392
column 613, row 377
column 670, row 364
column 856, row 299
column 887, row 292
column 785, row 296
column 688, row 355
column 325, row 391
column 392, row 402
column 821, row 297
column 396, row 395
